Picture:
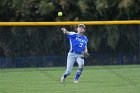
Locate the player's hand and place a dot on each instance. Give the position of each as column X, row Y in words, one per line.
column 84, row 55
column 64, row 30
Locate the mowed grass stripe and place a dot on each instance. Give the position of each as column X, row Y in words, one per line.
column 94, row 79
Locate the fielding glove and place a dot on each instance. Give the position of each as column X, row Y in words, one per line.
column 84, row 55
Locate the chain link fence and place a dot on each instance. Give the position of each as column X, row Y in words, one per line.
column 48, row 46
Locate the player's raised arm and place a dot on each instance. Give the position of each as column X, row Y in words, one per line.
column 65, row 31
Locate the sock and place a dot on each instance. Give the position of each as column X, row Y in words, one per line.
column 78, row 73
column 77, row 76
column 65, row 75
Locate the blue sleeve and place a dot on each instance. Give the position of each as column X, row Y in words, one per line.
column 86, row 38
column 71, row 35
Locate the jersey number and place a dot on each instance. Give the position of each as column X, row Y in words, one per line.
column 81, row 44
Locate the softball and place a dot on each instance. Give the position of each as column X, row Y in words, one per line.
column 60, row 13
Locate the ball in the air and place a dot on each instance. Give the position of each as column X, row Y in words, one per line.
column 60, row 13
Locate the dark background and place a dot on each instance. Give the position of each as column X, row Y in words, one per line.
column 47, row 46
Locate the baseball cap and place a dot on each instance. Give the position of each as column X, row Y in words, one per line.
column 81, row 25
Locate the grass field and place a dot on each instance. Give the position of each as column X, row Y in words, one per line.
column 95, row 79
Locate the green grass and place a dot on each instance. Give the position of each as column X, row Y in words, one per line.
column 95, row 79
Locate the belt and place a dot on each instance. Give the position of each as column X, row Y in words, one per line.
column 75, row 52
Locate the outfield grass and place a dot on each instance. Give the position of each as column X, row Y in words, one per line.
column 95, row 79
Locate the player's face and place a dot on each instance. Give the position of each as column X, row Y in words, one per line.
column 80, row 30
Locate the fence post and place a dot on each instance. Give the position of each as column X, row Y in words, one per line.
column 139, row 44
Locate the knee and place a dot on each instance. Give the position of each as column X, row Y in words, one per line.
column 79, row 70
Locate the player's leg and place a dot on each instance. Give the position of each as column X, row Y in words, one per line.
column 70, row 62
column 80, row 62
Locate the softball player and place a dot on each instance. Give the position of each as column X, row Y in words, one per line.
column 78, row 44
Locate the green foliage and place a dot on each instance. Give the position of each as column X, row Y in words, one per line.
column 46, row 7
column 112, row 36
column 18, row 4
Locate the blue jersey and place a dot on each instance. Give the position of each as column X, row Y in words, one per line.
column 77, row 42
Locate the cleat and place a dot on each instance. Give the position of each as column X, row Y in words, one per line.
column 62, row 80
column 75, row 81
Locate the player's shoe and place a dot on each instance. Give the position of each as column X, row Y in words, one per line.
column 62, row 79
column 75, row 81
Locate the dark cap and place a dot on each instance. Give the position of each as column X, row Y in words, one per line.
column 81, row 25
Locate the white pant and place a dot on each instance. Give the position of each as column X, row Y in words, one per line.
column 71, row 59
